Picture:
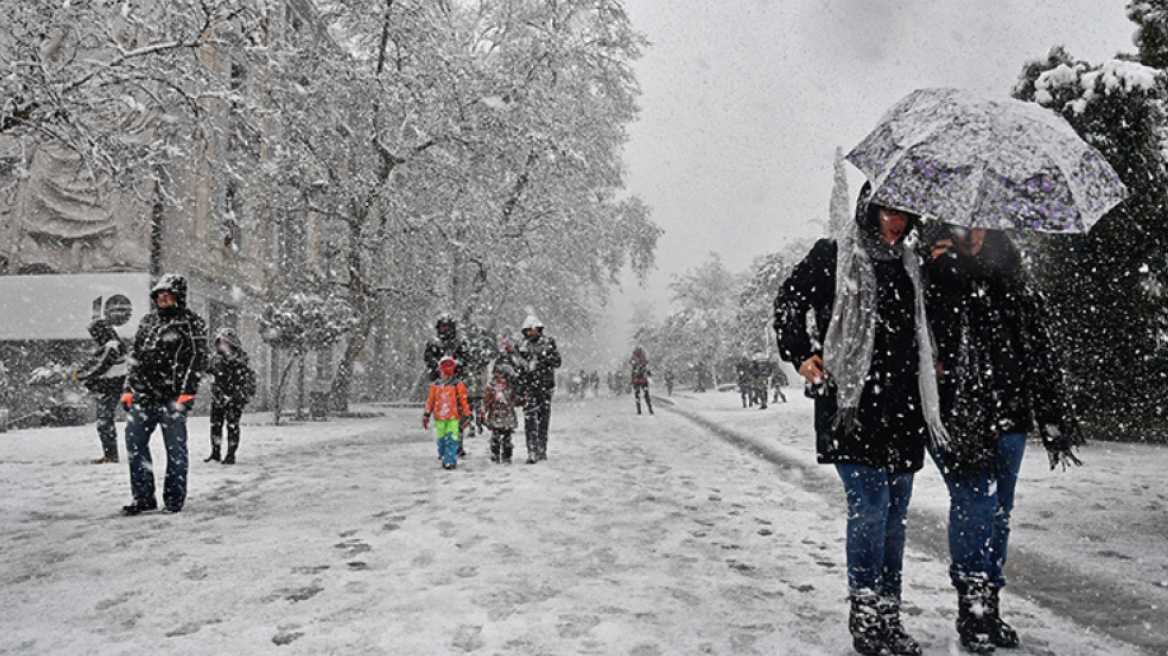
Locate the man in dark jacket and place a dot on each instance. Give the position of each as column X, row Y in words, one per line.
column 445, row 342
column 166, row 359
column 537, row 359
column 233, row 385
column 104, row 375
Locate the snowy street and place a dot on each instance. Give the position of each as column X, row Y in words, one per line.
column 640, row 535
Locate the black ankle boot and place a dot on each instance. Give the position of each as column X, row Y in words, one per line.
column 898, row 641
column 973, row 625
column 214, row 454
column 866, row 627
column 1003, row 635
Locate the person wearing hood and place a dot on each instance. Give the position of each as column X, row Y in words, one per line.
column 232, row 386
column 448, row 406
column 876, row 399
column 166, row 359
column 1000, row 376
column 537, row 359
column 104, row 375
column 639, row 364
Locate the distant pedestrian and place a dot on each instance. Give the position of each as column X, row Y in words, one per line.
column 639, row 365
column 537, row 358
column 761, row 370
column 499, row 402
column 448, row 406
column 744, row 371
column 104, row 375
column 778, row 382
column 233, row 385
column 669, row 382
column 166, row 359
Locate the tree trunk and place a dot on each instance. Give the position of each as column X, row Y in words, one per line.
column 278, row 400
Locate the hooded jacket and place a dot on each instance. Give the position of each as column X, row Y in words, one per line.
column 537, row 359
column 169, row 349
column 233, row 380
column 1000, row 374
column 890, row 429
column 105, row 370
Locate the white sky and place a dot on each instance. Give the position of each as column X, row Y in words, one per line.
column 745, row 102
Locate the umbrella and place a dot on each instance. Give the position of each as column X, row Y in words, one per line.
column 986, row 163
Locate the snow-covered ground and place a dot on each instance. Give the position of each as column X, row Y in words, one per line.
column 641, row 535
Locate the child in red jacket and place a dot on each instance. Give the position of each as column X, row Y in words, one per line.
column 448, row 405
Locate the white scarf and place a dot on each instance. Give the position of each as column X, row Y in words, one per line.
column 851, row 335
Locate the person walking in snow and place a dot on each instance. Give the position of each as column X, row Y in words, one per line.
column 745, row 373
column 878, row 402
column 233, row 384
column 761, row 370
column 999, row 377
column 537, row 359
column 778, row 382
column 448, row 406
column 499, row 402
column 639, row 365
column 104, row 375
column 446, row 342
column 165, row 362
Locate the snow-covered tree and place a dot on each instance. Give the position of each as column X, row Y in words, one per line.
column 1106, row 287
column 300, row 322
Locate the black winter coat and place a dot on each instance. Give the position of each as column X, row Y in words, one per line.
column 234, row 381
column 1000, row 373
column 537, row 362
column 168, row 356
column 436, row 349
column 891, row 430
column 104, row 373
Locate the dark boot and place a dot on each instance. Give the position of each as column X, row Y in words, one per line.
column 638, row 406
column 866, row 627
column 973, row 626
column 229, row 459
column 899, row 642
column 649, row 404
column 214, row 454
column 1002, row 634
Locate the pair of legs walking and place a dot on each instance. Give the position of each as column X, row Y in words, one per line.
column 224, row 414
column 446, row 431
column 638, row 390
column 107, row 432
column 877, row 507
column 980, row 504
column 537, row 415
column 141, row 421
column 501, row 447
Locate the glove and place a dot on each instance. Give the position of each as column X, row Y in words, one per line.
column 127, row 399
column 1058, row 447
column 74, row 374
column 463, row 423
column 185, row 401
column 426, row 422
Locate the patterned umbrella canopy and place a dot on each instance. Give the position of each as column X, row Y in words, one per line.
column 986, row 163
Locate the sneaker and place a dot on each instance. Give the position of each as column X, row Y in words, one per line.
column 138, row 508
column 172, row 509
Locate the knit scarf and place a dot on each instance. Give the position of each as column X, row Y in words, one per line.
column 851, row 334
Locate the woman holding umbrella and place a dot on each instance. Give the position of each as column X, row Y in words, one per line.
column 999, row 375
column 877, row 400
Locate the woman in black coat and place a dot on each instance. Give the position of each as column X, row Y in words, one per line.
column 870, row 364
column 233, row 386
column 1000, row 377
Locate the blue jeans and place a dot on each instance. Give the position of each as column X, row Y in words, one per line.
column 877, row 506
column 979, row 515
column 140, row 423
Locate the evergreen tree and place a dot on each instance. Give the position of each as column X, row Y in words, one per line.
column 1104, row 287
